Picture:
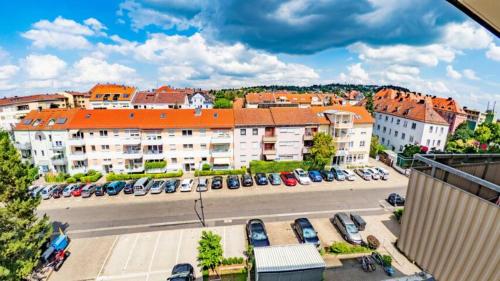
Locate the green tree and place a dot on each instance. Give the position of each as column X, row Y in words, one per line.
column 369, row 102
column 483, row 134
column 462, row 132
column 22, row 232
column 322, row 150
column 210, row 251
column 375, row 147
column 222, row 103
column 411, row 149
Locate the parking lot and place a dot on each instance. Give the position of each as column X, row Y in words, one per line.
column 151, row 255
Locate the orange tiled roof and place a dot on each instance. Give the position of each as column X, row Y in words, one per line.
column 32, row 98
column 362, row 116
column 289, row 97
column 253, row 117
column 293, row 116
column 82, row 94
column 111, row 92
column 159, row 97
column 448, row 104
column 47, row 119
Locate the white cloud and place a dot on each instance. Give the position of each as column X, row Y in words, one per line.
column 92, row 70
column 466, row 35
column 5, row 85
column 94, row 24
column 356, row 74
column 470, row 74
column 429, row 55
column 7, row 71
column 493, row 52
column 452, row 73
column 43, row 66
column 61, row 34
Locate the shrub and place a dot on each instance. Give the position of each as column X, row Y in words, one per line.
column 398, row 213
column 116, row 177
column 59, row 177
column 345, row 248
column 70, row 180
column 220, row 172
column 206, row 167
column 91, row 172
column 155, row 165
column 259, row 166
column 387, row 260
column 233, row 260
column 91, row 177
column 78, row 176
column 373, row 242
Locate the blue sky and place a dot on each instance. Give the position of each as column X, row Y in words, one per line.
column 427, row 45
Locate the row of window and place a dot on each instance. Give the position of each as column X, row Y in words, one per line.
column 398, row 121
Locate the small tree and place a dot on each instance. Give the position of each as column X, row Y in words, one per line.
column 210, row 251
column 483, row 134
column 322, row 149
column 222, row 103
column 375, row 147
column 411, row 149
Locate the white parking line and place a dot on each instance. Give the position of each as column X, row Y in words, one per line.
column 128, row 276
column 131, row 251
column 179, row 247
column 107, row 256
column 229, row 218
column 154, row 253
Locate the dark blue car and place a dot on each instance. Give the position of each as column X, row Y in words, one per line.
column 315, row 176
column 256, row 232
column 305, row 231
column 261, row 179
column 233, row 182
column 327, row 175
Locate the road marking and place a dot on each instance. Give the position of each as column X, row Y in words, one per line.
column 131, row 275
column 107, row 256
column 131, row 251
column 154, row 253
column 278, row 215
column 179, row 246
column 224, row 240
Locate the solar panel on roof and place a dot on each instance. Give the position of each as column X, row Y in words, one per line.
column 61, row 120
column 27, row 121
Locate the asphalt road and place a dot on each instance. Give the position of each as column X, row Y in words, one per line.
column 93, row 221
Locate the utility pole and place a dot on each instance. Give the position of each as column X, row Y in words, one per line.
column 202, row 218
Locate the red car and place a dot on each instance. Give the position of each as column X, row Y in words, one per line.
column 77, row 191
column 288, row 179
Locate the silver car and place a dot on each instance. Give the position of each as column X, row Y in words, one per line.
column 374, row 173
column 46, row 193
column 202, row 185
column 88, row 190
column 384, row 174
column 364, row 174
column 158, row 186
column 347, row 228
column 349, row 175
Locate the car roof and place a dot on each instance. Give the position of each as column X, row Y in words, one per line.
column 186, row 180
column 344, row 217
column 303, row 222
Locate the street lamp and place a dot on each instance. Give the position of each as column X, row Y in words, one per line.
column 202, row 218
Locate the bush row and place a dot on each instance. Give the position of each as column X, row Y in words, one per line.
column 155, row 165
column 220, row 172
column 233, row 260
column 346, row 248
column 257, row 166
column 59, row 177
column 115, row 177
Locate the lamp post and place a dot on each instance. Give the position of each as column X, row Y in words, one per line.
column 202, row 218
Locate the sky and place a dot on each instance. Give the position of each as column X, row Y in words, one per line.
column 427, row 45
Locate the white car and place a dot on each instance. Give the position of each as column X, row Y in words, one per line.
column 202, row 185
column 374, row 173
column 384, row 174
column 186, row 185
column 157, row 186
column 46, row 193
column 349, row 175
column 301, row 176
column 68, row 189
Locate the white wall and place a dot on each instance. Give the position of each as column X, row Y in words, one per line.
column 247, row 147
column 290, row 141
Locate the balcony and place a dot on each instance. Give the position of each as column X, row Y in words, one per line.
column 221, row 138
column 222, row 153
column 343, row 125
column 306, row 150
column 156, row 141
column 153, row 155
column 343, row 138
column 309, row 135
column 269, row 151
column 76, row 141
column 22, row 146
column 79, row 169
column 56, row 147
column 132, row 154
column 134, row 169
column 269, row 138
column 130, row 141
column 59, row 161
column 77, row 156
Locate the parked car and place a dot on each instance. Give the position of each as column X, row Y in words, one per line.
column 256, row 233
column 172, row 185
column 327, row 175
column 301, row 176
column 275, row 179
column 182, row 272
column 115, row 187
column 315, row 176
column 246, row 180
column 364, row 174
column 347, row 228
column 68, row 190
column 88, row 190
column 395, row 199
column 337, row 173
column 202, row 185
column 38, row 190
column 186, row 185
column 142, row 186
column 384, row 174
column 100, row 189
column 288, row 179
column 46, row 193
column 349, row 174
column 129, row 187
column 77, row 191
column 216, row 182
column 157, row 186
column 261, row 179
column 305, row 231
column 57, row 192
column 374, row 173
column 233, row 182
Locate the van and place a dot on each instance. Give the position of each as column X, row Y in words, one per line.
column 347, row 228
column 115, row 187
column 142, row 186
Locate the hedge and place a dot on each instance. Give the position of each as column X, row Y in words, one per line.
column 346, row 248
column 155, row 165
column 233, row 260
column 398, row 213
column 59, row 177
column 91, row 177
column 220, row 172
column 259, row 166
column 115, row 177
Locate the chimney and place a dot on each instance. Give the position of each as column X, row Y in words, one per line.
column 197, row 112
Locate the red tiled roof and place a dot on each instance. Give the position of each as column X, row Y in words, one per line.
column 42, row 120
column 289, row 97
column 27, row 99
column 158, row 97
column 253, row 117
column 108, row 92
column 293, row 116
column 448, row 104
column 82, row 94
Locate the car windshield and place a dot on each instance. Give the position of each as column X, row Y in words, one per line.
column 351, row 228
column 301, row 173
column 309, row 233
column 258, row 232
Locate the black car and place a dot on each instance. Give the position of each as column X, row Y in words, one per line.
column 100, row 189
column 171, row 185
column 256, row 233
column 395, row 199
column 217, row 182
column 233, row 182
column 182, row 272
column 305, row 231
column 261, row 179
column 57, row 192
column 246, row 180
column 327, row 175
column 129, row 187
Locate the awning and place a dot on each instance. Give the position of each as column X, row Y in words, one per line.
column 222, row 161
column 73, row 131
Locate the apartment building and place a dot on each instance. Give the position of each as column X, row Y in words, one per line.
column 289, row 99
column 122, row 140
column 166, row 97
column 14, row 109
column 77, row 99
column 474, row 117
column 111, row 96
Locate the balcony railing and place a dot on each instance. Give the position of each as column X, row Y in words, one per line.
column 221, row 138
column 269, row 151
column 269, row 138
column 222, row 153
column 76, row 141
